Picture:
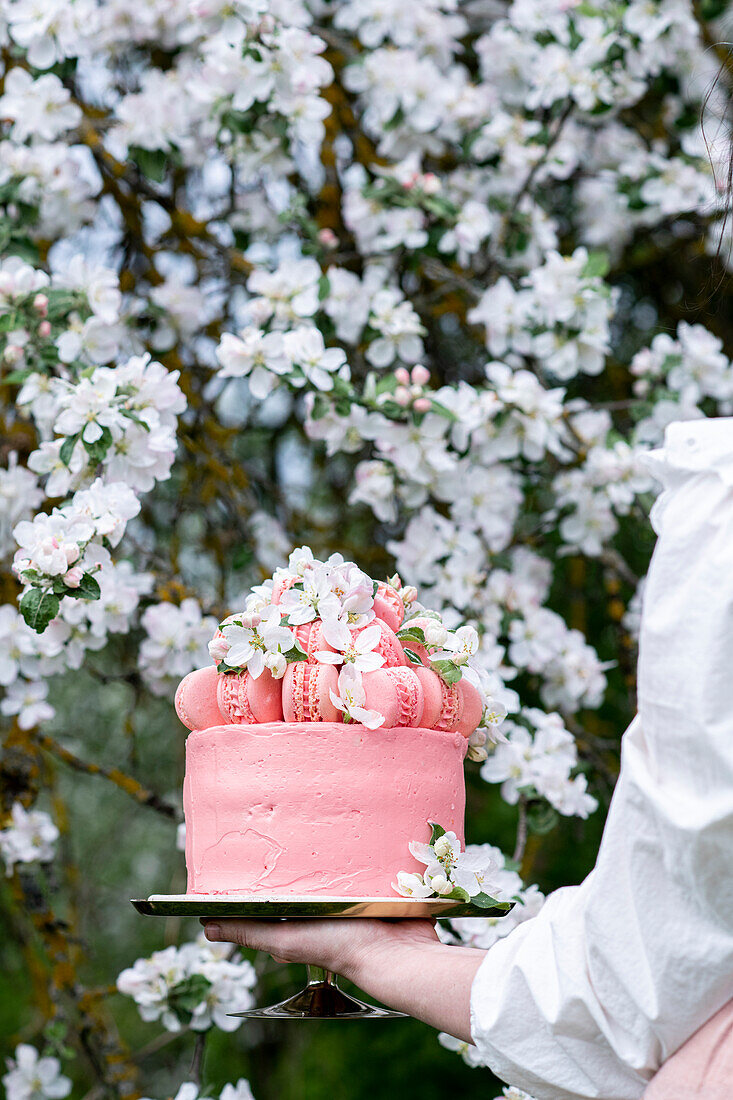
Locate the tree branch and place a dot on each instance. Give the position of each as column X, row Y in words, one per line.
column 120, row 779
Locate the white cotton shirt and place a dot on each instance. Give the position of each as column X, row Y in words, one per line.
column 588, row 998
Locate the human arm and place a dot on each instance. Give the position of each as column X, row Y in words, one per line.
column 587, row 999
column 590, row 997
column 401, row 963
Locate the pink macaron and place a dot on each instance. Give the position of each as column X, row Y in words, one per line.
column 432, row 695
column 196, row 703
column 397, row 693
column 472, row 710
column 388, row 606
column 310, row 637
column 389, row 645
column 306, row 688
column 242, row 698
column 451, row 709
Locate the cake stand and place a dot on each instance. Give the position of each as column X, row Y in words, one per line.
column 321, row 998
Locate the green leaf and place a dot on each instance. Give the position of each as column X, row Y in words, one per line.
column 8, row 321
column 448, row 672
column 98, row 449
column 598, row 263
column 441, row 410
column 88, row 588
column 412, row 634
column 485, row 901
column 187, row 994
column 151, row 162
column 295, row 654
column 321, row 406
column 38, row 608
column 16, row 377
column 136, row 419
column 457, row 894
column 438, row 831
column 412, row 656
column 324, row 288
column 67, row 448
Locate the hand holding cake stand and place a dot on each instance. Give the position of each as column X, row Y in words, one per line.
column 321, row 998
column 327, row 739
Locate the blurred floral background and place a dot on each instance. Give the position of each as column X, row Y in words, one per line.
column 413, row 281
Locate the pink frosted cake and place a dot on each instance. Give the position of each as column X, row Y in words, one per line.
column 328, row 734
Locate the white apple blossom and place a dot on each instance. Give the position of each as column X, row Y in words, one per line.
column 351, row 697
column 29, row 838
column 27, row 700
column 424, row 283
column 32, row 1077
column 255, row 355
column 175, row 643
column 358, row 652
column 214, row 985
column 258, row 646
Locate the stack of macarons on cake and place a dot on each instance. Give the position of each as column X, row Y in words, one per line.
column 329, row 732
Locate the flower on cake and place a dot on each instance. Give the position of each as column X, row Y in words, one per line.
column 450, row 872
column 301, row 603
column 334, row 613
column 351, row 698
column 258, row 642
column 358, row 651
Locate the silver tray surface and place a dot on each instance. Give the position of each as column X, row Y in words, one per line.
column 305, row 908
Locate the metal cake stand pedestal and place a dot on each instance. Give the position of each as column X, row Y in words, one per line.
column 321, row 998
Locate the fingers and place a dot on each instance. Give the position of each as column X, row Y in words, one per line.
column 243, row 932
column 287, row 941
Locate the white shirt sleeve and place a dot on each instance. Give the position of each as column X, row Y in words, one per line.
column 588, row 998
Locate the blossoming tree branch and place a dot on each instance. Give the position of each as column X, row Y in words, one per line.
column 415, row 282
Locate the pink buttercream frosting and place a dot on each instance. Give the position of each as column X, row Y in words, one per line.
column 315, row 808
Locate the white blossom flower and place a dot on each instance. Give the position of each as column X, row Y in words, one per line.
column 256, row 355
column 359, row 651
column 351, row 697
column 31, row 1077
column 195, row 984
column 252, row 647
column 28, row 701
column 30, row 837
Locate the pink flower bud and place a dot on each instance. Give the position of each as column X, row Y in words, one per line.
column 420, row 375
column 12, row 354
column 422, row 405
column 72, row 578
column 402, row 396
column 403, row 376
column 408, row 594
column 44, row 329
column 40, row 304
column 431, row 183
column 71, row 552
column 251, row 620
column 328, row 238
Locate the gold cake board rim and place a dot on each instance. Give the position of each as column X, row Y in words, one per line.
column 274, row 907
